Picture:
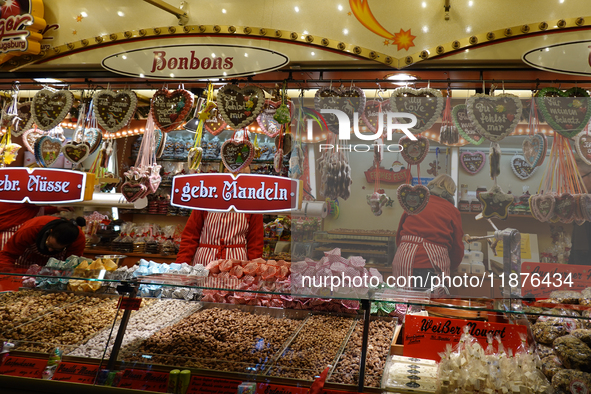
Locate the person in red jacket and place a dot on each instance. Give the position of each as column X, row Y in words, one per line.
column 430, row 242
column 210, row 236
column 13, row 215
column 41, row 238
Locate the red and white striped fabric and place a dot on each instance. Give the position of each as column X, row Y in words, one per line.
column 405, row 254
column 7, row 234
column 223, row 237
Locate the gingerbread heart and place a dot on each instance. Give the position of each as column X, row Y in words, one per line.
column 473, row 162
column 348, row 100
column 21, row 122
column 237, row 154
column 133, row 191
column 426, row 104
column 521, row 167
column 285, row 143
column 495, row 203
column 414, row 152
column 565, row 207
column 50, row 108
column 47, row 150
column 170, row 108
column 459, row 116
column 76, row 152
column 113, row 110
column 542, row 206
column 194, row 157
column 215, row 124
column 413, row 199
column 93, row 137
column 495, row 117
column 153, row 180
column 534, row 149
column 566, row 111
column 160, row 142
column 29, row 138
column 239, row 107
column 269, row 126
column 583, row 147
column 372, row 112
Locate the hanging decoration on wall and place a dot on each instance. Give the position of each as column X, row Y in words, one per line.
column 413, row 199
column 239, row 107
column 266, row 119
column 77, row 150
column 374, row 112
column 426, row 104
column 535, row 144
column 113, row 110
column 473, row 162
column 87, row 129
column 237, row 152
column 542, row 206
column 335, row 172
column 51, row 107
column 495, row 202
column 215, row 124
column 296, row 159
column 448, row 133
column 8, row 149
column 566, row 111
column 346, row 99
column 17, row 116
column 29, row 138
column 284, row 113
column 466, row 128
column 583, row 145
column 170, row 108
column 414, row 152
column 160, row 142
column 47, row 149
column 495, row 117
column 521, row 168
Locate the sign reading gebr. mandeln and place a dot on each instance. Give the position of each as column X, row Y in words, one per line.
column 41, row 185
column 242, row 193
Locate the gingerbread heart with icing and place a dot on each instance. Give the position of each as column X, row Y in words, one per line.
column 495, row 117
column 584, row 204
column 534, row 149
column 30, row 137
column 76, row 152
column 269, row 126
column 50, row 108
column 426, row 104
column 459, row 116
column 413, row 199
column 113, row 110
column 47, row 150
column 566, row 111
column 170, row 108
column 237, row 154
column 542, row 206
column 473, row 162
column 349, row 100
column 583, row 146
column 373, row 111
column 414, row 152
column 239, row 107
column 133, row 191
column 521, row 167
column 22, row 121
column 215, row 124
column 565, row 207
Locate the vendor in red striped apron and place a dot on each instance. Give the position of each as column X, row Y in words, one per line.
column 210, row 236
column 430, row 243
column 41, row 238
column 13, row 215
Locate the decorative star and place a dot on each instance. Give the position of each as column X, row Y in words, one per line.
column 404, row 39
column 349, row 13
column 74, row 32
column 386, row 42
column 79, row 18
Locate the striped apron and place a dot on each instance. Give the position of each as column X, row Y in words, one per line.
column 223, row 237
column 405, row 254
column 7, row 234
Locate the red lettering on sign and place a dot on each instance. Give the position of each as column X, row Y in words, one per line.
column 23, row 367
column 201, row 384
column 77, row 373
column 244, row 193
column 541, row 279
column 132, row 304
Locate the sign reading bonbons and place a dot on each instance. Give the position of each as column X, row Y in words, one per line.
column 41, row 185
column 243, row 193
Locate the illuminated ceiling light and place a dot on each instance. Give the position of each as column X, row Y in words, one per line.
column 225, row 73
column 470, row 3
column 323, row 135
column 84, row 14
column 424, row 4
column 340, row 7
column 296, row 9
column 120, row 13
column 312, row 53
column 561, row 1
column 345, row 31
column 124, row 57
column 171, row 75
column 223, row 10
column 141, row 75
column 407, row 78
column 468, row 29
column 213, row 55
column 547, row 49
column 305, row 32
column 425, row 29
column 47, row 80
column 246, row 55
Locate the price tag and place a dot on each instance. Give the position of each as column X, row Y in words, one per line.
column 23, row 367
column 10, row 283
column 155, row 381
column 275, row 388
column 541, row 279
column 133, row 379
column 130, row 303
column 77, row 373
column 201, row 384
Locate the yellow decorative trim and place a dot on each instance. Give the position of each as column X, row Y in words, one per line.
column 309, row 39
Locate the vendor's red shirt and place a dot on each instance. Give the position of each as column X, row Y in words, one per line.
column 14, row 214
column 26, row 236
column 439, row 223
